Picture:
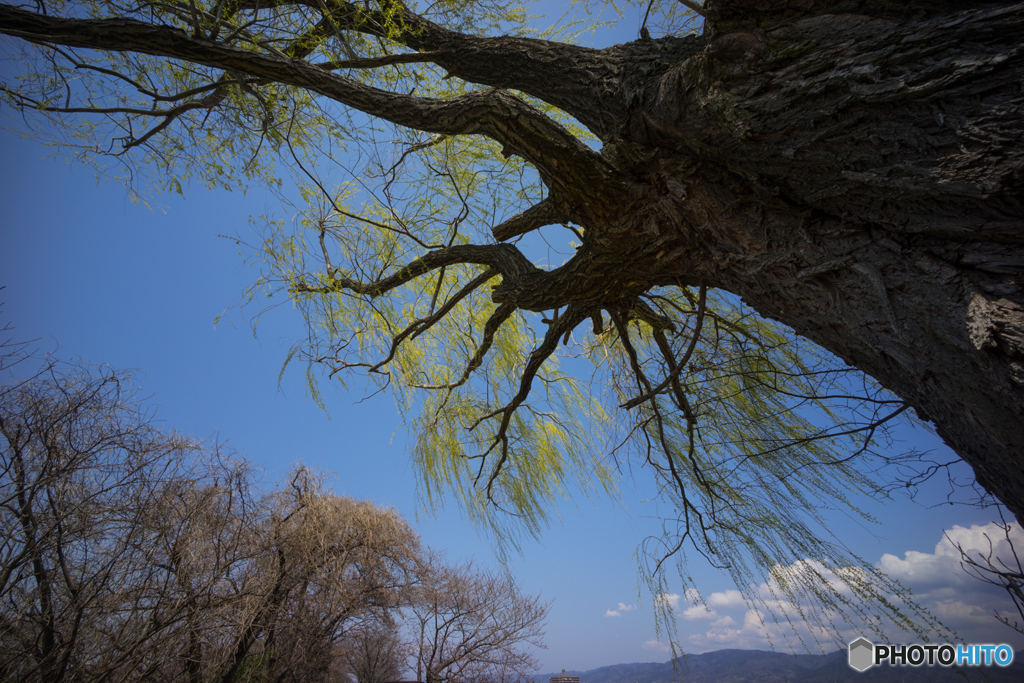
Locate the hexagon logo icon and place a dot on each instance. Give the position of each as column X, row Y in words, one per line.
column 862, row 654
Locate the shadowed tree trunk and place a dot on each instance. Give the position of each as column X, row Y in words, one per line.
column 859, row 179
column 850, row 169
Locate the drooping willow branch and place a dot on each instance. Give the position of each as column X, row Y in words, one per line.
column 421, row 325
column 675, row 369
column 573, row 316
column 494, row 322
column 675, row 476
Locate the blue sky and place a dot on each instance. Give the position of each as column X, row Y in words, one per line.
column 94, row 276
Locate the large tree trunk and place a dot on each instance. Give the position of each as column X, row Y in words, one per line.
column 860, row 180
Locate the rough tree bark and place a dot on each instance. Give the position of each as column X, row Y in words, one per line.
column 852, row 169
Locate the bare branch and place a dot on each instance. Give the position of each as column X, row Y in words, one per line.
column 474, row 625
column 1006, row 572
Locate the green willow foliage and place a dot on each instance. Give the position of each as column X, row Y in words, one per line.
column 756, row 435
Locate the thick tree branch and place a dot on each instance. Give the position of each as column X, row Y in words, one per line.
column 376, row 62
column 564, row 162
column 547, row 212
column 568, row 76
column 694, row 6
column 504, row 258
column 724, row 15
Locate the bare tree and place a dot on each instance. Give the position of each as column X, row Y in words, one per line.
column 375, row 654
column 328, row 564
column 474, row 625
column 93, row 577
column 208, row 537
column 130, row 553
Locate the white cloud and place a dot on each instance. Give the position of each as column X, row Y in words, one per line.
column 937, row 569
column 726, row 599
column 962, row 602
column 623, row 607
column 919, row 567
column 669, row 599
column 939, row 584
column 657, row 646
column 705, row 611
column 699, row 612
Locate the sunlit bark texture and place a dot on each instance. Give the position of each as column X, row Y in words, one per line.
column 850, row 170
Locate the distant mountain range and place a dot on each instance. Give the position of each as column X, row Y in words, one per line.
column 756, row 666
